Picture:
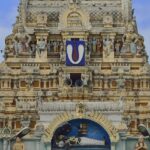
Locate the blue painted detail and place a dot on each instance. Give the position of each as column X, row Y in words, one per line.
column 75, row 53
column 72, row 129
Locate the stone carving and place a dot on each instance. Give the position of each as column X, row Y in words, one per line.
column 6, row 132
column 108, row 46
column 9, row 48
column 21, row 41
column 41, row 46
column 42, row 19
column 71, row 106
column 80, row 109
column 132, row 41
column 18, row 145
column 118, row 46
column 141, row 145
column 74, row 20
column 108, row 21
column 94, row 41
column 121, row 82
column 85, row 80
column 89, row 46
column 39, row 103
column 99, row 46
column 25, row 120
column 39, row 130
column 140, row 45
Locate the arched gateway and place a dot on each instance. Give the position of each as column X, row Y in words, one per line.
column 80, row 131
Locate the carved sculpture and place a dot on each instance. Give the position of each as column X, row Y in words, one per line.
column 99, row 46
column 130, row 39
column 42, row 19
column 21, row 40
column 141, row 145
column 140, row 45
column 107, row 46
column 108, row 21
column 41, row 46
column 117, row 47
column 18, row 145
column 94, row 41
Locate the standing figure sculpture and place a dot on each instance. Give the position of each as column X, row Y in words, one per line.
column 117, row 47
column 21, row 41
column 99, row 46
column 129, row 39
column 140, row 45
column 141, row 145
column 107, row 46
column 41, row 46
column 18, row 145
column 89, row 46
column 94, row 41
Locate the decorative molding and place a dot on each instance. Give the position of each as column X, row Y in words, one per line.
column 67, row 116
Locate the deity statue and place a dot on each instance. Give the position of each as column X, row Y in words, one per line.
column 49, row 46
column 129, row 39
column 140, row 45
column 61, row 46
column 107, row 46
column 141, row 145
column 55, row 46
column 89, row 46
column 118, row 47
column 94, row 41
column 85, row 79
column 41, row 45
column 99, row 46
column 33, row 48
column 18, row 145
column 21, row 40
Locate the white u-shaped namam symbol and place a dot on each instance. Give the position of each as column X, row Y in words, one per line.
column 70, row 51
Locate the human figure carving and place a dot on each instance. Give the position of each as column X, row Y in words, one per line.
column 41, row 45
column 107, row 46
column 118, row 47
column 21, row 40
column 141, row 145
column 129, row 39
column 18, row 145
column 99, row 46
column 140, row 45
column 94, row 44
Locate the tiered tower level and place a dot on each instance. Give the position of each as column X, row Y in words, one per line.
column 81, row 57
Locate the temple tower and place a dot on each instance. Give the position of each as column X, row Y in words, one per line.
column 76, row 73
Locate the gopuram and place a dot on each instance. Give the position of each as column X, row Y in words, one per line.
column 75, row 76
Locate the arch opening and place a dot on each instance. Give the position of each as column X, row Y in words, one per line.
column 80, row 134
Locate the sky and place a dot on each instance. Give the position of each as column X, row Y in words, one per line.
column 8, row 13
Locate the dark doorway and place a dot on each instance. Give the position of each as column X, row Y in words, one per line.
column 75, row 77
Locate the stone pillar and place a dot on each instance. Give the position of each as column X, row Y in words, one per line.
column 113, row 147
column 48, row 146
column 101, row 83
column 5, row 145
column 38, row 145
column 135, row 84
column 105, row 84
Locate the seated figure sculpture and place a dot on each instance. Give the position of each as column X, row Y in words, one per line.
column 18, row 145
column 141, row 145
column 21, row 40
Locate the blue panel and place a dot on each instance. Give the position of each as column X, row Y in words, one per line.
column 75, row 53
column 73, row 129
